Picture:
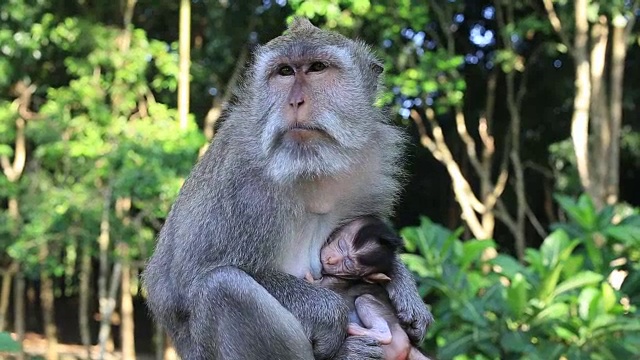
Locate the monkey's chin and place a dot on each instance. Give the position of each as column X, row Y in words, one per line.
column 290, row 162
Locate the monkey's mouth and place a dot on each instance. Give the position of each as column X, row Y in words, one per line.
column 301, row 133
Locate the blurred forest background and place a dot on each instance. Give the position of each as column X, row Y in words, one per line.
column 520, row 213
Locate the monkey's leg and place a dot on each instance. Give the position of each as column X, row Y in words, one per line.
column 371, row 312
column 323, row 314
column 234, row 317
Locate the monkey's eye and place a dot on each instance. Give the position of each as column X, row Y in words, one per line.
column 317, row 66
column 285, row 70
column 348, row 263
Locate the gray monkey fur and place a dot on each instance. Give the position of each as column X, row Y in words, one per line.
column 225, row 279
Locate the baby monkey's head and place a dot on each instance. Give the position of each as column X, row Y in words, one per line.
column 364, row 248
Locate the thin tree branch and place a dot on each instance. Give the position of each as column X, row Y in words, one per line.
column 536, row 223
column 554, row 20
column 470, row 144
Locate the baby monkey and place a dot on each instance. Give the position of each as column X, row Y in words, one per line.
column 356, row 261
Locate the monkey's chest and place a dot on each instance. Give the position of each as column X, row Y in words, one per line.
column 302, row 250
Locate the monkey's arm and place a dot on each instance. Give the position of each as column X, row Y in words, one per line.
column 410, row 308
column 322, row 312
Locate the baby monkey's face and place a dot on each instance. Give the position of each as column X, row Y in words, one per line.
column 358, row 250
column 340, row 258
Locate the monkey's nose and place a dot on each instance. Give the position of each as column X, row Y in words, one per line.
column 296, row 96
column 332, row 260
column 296, row 101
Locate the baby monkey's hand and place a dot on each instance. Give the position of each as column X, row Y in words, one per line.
column 310, row 278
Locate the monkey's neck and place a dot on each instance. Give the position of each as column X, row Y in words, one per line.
column 321, row 196
column 340, row 193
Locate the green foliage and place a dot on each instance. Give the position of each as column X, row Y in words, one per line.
column 556, row 305
column 100, row 133
column 606, row 235
column 7, row 344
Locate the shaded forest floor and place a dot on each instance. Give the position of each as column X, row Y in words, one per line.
column 35, row 346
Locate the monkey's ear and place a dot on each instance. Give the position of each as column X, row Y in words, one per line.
column 299, row 23
column 378, row 278
column 377, row 67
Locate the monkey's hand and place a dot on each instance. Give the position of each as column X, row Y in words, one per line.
column 360, row 348
column 309, row 277
column 321, row 312
column 412, row 312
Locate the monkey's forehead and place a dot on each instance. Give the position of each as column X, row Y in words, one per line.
column 302, row 29
column 304, row 50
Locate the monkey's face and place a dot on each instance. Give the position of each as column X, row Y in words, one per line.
column 317, row 102
column 343, row 258
column 339, row 259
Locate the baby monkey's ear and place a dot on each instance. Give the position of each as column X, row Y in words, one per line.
column 377, row 278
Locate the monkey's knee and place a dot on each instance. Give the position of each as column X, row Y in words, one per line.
column 231, row 310
column 221, row 282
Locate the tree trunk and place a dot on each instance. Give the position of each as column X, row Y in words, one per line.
column 599, row 114
column 158, row 336
column 126, row 309
column 518, row 171
column 618, row 57
column 581, row 103
column 18, row 304
column 104, row 245
column 85, row 296
column 7, row 278
column 48, row 307
column 185, row 59
column 109, row 306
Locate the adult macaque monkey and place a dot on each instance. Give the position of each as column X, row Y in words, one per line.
column 303, row 151
column 357, row 259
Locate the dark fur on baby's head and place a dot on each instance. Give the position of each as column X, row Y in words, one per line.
column 376, row 244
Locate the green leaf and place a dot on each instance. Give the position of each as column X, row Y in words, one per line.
column 628, row 234
column 472, row 250
column 507, row 266
column 609, row 298
column 577, row 281
column 516, row 341
column 586, row 302
column 471, row 311
column 517, row 295
column 582, row 212
column 616, row 324
column 7, row 343
column 462, row 344
column 6, row 150
column 552, row 312
column 554, row 248
column 416, row 264
column 566, row 334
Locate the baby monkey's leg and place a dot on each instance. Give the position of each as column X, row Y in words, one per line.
column 371, row 312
